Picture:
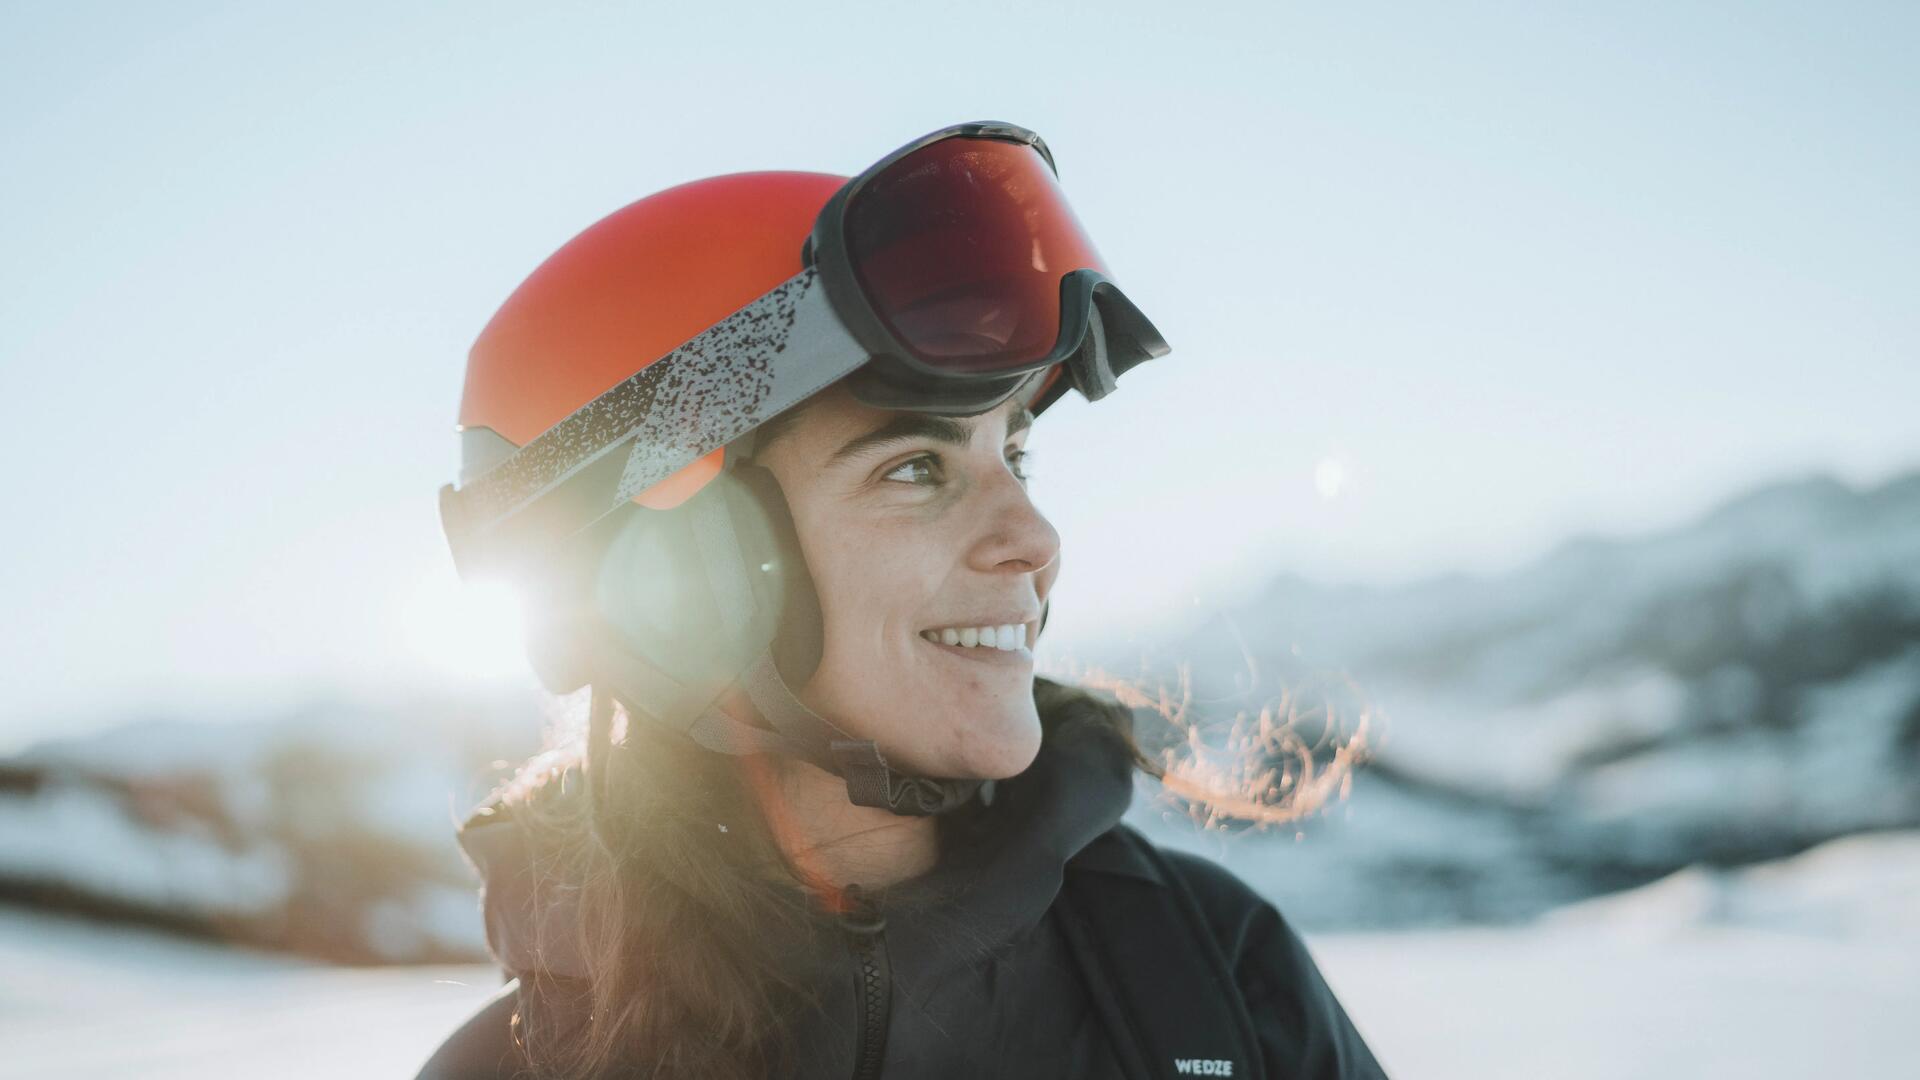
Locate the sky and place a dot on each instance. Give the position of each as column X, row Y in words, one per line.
column 1445, row 285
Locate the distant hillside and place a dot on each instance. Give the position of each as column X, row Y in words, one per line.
column 1735, row 689
column 327, row 831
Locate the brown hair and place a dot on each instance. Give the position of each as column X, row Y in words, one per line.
column 693, row 926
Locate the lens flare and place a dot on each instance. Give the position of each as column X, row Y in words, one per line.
column 465, row 631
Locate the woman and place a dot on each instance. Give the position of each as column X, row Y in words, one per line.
column 824, row 820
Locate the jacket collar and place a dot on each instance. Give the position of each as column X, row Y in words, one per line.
column 1001, row 863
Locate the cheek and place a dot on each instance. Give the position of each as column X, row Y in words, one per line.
column 880, row 583
column 876, row 584
column 872, row 582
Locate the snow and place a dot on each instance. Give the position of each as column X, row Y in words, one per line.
column 1733, row 689
column 1799, row 967
column 86, row 1001
column 328, row 830
column 84, row 838
column 1809, row 973
column 1520, row 752
column 1863, row 888
column 1557, row 1002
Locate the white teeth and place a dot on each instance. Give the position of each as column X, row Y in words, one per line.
column 1007, row 638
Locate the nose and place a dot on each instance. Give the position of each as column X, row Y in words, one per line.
column 1015, row 536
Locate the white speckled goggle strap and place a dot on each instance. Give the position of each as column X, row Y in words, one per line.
column 758, row 362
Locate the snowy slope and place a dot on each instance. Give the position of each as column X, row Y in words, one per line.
column 1800, row 968
column 86, row 1002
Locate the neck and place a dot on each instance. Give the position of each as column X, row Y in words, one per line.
column 835, row 843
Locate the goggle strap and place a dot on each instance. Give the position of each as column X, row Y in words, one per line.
column 758, row 362
column 743, row 386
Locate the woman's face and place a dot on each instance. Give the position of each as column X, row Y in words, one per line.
column 912, row 523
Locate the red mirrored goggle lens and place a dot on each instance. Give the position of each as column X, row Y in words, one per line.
column 960, row 247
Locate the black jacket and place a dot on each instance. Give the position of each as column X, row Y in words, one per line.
column 983, row 983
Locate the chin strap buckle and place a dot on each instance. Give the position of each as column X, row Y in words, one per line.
column 871, row 782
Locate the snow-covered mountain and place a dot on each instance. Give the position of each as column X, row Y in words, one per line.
column 1736, row 689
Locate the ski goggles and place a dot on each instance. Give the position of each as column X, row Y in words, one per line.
column 945, row 278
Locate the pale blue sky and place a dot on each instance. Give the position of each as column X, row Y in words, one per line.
column 1521, row 270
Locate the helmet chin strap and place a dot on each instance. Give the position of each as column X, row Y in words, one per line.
column 797, row 732
column 805, row 734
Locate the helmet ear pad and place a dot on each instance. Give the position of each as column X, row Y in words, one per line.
column 668, row 608
column 799, row 637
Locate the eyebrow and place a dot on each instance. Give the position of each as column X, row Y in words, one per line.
column 909, row 426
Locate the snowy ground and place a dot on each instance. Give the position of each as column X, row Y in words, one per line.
column 80, row 1000
column 1559, row 1004
column 1569, row 999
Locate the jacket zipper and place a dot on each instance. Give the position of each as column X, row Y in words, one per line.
column 866, row 933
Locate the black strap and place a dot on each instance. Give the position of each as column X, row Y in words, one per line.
column 1155, row 974
column 872, row 782
column 800, row 732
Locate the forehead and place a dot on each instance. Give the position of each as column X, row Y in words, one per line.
column 836, row 411
column 832, row 418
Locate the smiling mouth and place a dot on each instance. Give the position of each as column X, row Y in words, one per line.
column 987, row 637
column 1020, row 655
column 979, row 654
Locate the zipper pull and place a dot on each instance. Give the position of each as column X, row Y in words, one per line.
column 862, row 916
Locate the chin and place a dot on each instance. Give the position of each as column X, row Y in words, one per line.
column 1000, row 748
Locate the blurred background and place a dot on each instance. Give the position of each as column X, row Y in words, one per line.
column 1543, row 393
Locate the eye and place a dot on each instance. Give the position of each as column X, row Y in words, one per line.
column 929, row 467
column 930, row 463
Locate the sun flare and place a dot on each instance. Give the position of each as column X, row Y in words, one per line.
column 469, row 631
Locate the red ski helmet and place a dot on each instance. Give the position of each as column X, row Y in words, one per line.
column 649, row 332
